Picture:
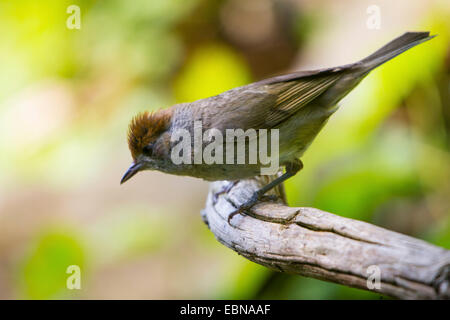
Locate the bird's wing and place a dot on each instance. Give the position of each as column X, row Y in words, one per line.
column 266, row 104
column 292, row 95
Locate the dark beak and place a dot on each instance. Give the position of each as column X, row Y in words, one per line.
column 135, row 167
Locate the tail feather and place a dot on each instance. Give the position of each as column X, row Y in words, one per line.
column 394, row 48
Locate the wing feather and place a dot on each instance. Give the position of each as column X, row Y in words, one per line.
column 294, row 95
column 266, row 104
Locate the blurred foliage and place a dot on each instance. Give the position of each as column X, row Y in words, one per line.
column 68, row 95
column 129, row 232
column 199, row 77
column 44, row 272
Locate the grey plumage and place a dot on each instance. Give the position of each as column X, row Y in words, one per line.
column 298, row 104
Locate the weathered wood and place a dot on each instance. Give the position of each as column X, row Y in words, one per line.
column 322, row 245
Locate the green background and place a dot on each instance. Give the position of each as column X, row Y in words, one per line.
column 67, row 96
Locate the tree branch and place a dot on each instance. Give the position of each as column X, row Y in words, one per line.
column 322, row 245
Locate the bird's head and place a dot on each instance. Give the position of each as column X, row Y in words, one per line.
column 143, row 133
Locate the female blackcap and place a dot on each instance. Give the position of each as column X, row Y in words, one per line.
column 296, row 105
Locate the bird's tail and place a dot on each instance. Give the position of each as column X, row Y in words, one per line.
column 394, row 48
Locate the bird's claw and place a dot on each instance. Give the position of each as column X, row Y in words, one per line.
column 250, row 203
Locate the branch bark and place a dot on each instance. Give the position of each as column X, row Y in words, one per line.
column 322, row 245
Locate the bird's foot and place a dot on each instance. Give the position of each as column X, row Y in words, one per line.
column 256, row 197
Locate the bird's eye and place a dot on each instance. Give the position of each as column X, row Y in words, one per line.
column 148, row 150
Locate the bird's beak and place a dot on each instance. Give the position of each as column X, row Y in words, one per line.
column 135, row 167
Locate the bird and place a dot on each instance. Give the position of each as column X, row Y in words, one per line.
column 297, row 104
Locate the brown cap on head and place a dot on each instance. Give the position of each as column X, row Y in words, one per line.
column 145, row 128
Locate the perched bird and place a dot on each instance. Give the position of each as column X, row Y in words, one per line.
column 297, row 104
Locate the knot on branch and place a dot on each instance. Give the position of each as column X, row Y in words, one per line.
column 442, row 283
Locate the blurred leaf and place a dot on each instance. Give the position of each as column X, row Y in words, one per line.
column 44, row 272
column 211, row 70
column 440, row 235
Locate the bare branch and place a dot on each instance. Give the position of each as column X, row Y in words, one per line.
column 322, row 245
